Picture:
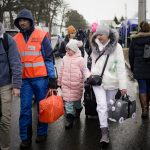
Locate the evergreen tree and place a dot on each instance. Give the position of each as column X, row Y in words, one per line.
column 75, row 19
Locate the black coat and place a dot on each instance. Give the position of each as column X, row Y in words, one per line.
column 62, row 49
column 139, row 66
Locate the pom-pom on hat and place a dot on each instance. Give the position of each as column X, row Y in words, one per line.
column 94, row 27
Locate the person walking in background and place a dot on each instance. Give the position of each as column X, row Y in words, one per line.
column 71, row 33
column 105, row 42
column 38, row 74
column 80, row 36
column 140, row 66
column 73, row 72
column 10, row 83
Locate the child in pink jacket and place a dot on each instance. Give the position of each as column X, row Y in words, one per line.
column 73, row 73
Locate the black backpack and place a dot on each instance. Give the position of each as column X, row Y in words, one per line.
column 5, row 43
column 6, row 46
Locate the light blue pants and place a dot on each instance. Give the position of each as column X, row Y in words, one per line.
column 71, row 106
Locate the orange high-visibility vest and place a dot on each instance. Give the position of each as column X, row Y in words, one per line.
column 32, row 60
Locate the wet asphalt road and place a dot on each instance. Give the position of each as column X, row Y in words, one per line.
column 133, row 134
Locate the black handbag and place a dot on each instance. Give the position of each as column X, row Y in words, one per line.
column 146, row 54
column 97, row 79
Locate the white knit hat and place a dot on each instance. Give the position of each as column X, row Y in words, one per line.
column 73, row 45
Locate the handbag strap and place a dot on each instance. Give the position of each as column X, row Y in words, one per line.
column 99, row 56
column 105, row 65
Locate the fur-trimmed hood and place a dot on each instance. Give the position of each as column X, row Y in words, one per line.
column 141, row 34
column 110, row 47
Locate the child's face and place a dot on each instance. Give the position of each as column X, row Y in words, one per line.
column 70, row 52
column 72, row 35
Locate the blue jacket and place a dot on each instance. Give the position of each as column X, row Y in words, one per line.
column 10, row 66
column 46, row 44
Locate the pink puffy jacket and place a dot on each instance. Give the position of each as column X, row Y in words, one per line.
column 73, row 72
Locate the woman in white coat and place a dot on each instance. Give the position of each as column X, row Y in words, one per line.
column 105, row 40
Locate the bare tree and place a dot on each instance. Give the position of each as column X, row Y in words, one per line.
column 8, row 6
column 63, row 11
column 43, row 10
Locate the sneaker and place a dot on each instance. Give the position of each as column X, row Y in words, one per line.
column 25, row 144
column 41, row 138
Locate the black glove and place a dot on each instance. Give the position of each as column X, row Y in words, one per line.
column 53, row 83
column 118, row 94
column 59, row 86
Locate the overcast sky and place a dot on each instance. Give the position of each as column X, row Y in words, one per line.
column 95, row 10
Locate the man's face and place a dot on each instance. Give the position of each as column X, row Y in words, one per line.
column 24, row 24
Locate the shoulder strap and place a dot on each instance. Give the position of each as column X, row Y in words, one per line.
column 6, row 46
column 5, row 43
column 105, row 65
column 99, row 56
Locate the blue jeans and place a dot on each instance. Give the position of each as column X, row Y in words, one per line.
column 144, row 85
column 71, row 106
column 38, row 87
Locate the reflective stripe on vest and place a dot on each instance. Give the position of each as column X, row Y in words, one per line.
column 30, row 53
column 31, row 56
column 33, row 64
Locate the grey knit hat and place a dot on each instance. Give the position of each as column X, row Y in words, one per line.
column 103, row 30
column 2, row 30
